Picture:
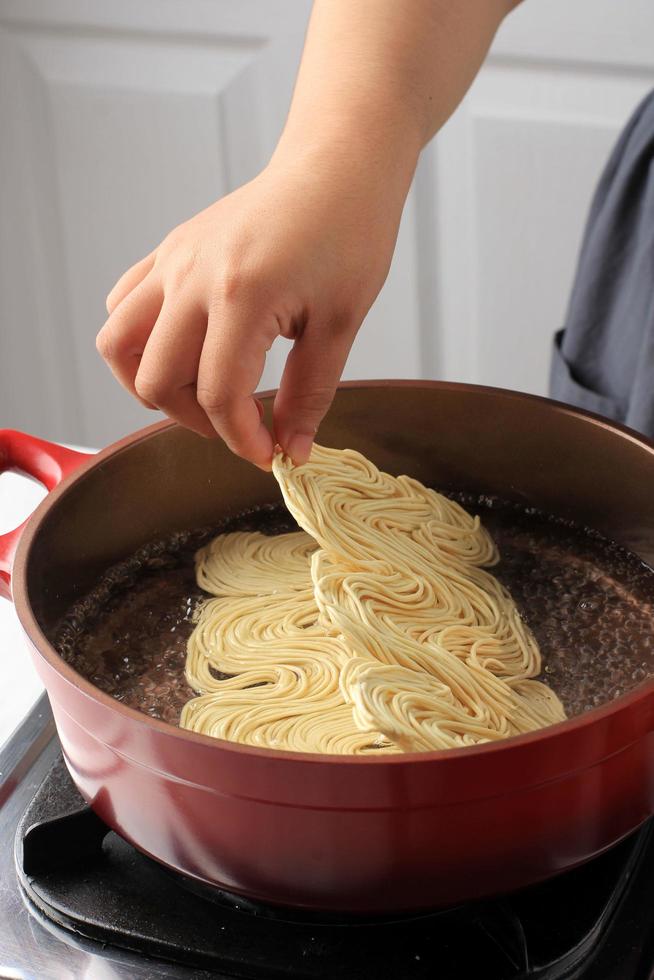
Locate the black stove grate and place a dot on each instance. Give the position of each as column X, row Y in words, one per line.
column 594, row 922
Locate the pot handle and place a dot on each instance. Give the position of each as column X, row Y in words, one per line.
column 43, row 461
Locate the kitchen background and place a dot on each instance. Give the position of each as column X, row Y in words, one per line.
column 121, row 119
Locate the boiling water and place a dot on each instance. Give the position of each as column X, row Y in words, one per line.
column 589, row 603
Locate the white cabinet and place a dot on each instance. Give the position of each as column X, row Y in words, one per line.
column 119, row 120
column 513, row 173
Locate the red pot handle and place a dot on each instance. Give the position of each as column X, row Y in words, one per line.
column 43, row 461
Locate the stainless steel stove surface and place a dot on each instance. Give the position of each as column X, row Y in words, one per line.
column 31, row 946
column 76, row 901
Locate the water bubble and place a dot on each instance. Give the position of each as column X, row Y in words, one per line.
column 588, row 605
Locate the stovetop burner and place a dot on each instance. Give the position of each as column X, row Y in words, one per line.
column 594, row 922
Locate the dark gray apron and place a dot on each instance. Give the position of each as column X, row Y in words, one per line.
column 604, row 358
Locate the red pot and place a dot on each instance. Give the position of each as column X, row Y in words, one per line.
column 337, row 832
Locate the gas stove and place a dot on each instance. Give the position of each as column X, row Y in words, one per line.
column 78, row 901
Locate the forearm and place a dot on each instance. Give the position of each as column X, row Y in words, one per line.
column 379, row 77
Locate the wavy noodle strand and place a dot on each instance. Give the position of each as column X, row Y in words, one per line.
column 375, row 629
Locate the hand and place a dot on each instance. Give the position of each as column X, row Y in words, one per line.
column 300, row 252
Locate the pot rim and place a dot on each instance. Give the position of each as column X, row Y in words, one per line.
column 42, row 645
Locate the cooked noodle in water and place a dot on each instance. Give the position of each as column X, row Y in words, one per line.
column 376, row 629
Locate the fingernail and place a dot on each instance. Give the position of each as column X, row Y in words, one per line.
column 299, row 448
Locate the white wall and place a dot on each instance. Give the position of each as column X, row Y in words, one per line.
column 119, row 120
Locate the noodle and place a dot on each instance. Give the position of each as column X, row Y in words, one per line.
column 375, row 629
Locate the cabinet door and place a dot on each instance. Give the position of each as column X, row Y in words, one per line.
column 121, row 120
column 512, row 174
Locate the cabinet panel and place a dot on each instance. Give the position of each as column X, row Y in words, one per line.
column 117, row 132
column 121, row 120
column 515, row 171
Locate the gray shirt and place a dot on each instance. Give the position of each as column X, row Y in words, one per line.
column 603, row 359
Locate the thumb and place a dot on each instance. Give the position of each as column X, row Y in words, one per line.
column 312, row 372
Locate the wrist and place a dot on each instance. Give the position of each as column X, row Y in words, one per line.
column 361, row 148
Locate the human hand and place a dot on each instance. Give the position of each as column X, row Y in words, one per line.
column 299, row 252
column 302, row 250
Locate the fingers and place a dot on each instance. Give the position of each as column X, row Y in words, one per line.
column 168, row 369
column 161, row 350
column 122, row 340
column 313, row 370
column 231, row 365
column 129, row 280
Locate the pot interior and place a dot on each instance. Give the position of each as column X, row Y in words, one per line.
column 454, row 437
